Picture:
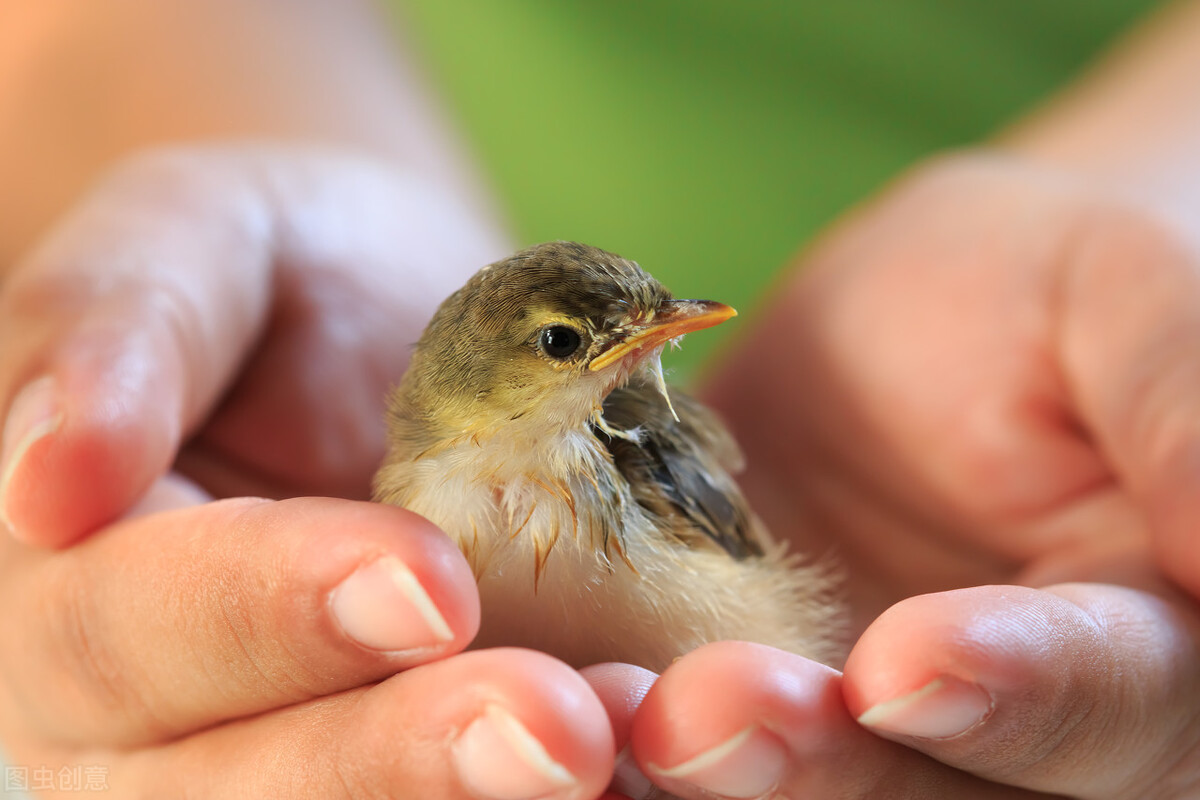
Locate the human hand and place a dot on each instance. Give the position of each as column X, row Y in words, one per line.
column 984, row 377
column 248, row 309
column 238, row 312
column 258, row 648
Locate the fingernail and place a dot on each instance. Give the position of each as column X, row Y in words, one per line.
column 34, row 415
column 628, row 778
column 748, row 765
column 383, row 606
column 941, row 709
column 498, row 758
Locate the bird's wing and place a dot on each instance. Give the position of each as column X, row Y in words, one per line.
column 679, row 469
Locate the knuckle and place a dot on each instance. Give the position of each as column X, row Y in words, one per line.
column 387, row 755
column 259, row 614
column 1100, row 708
column 252, row 651
column 350, row 777
column 170, row 170
column 94, row 676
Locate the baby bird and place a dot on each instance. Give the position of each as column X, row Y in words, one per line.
column 595, row 505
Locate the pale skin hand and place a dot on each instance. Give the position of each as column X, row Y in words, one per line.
column 985, row 376
column 250, row 634
column 238, row 311
column 130, row 661
column 197, row 309
column 1032, row 309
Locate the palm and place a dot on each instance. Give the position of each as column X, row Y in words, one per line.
column 921, row 396
column 306, row 414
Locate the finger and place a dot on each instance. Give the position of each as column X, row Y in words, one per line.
column 119, row 335
column 1084, row 689
column 1134, row 373
column 621, row 689
column 739, row 720
column 116, row 334
column 169, row 492
column 363, row 256
column 176, row 621
column 502, row 724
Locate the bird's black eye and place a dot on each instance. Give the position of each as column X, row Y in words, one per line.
column 559, row 341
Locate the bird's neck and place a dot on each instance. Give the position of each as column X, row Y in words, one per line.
column 500, row 445
column 516, row 489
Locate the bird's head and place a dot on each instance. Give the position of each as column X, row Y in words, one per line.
column 544, row 336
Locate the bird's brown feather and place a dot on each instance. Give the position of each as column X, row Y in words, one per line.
column 679, row 467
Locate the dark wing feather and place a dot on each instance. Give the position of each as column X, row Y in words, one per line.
column 679, row 471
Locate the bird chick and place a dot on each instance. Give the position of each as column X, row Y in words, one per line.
column 595, row 505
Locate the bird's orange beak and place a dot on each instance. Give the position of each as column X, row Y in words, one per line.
column 671, row 320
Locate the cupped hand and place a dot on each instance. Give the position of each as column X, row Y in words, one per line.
column 1073, row 690
column 237, row 311
column 292, row 648
column 979, row 394
column 986, row 375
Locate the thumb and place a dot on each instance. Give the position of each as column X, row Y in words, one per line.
column 1087, row 690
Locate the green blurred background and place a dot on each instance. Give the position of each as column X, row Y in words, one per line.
column 709, row 140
